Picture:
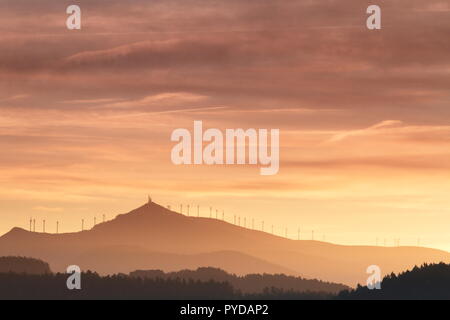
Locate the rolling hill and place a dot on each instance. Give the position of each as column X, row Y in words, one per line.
column 249, row 284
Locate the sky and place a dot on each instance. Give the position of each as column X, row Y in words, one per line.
column 86, row 115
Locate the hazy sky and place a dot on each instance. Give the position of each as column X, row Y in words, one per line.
column 86, row 116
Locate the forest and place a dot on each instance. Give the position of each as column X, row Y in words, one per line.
column 32, row 279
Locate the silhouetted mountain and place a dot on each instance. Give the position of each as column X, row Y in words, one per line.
column 252, row 283
column 430, row 281
column 23, row 265
column 153, row 237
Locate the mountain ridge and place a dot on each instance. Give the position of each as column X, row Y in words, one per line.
column 152, row 229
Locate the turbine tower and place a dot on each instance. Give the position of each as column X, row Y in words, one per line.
column 57, row 227
column 198, row 211
column 43, row 226
column 188, row 207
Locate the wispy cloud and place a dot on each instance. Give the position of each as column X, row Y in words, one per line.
column 48, row 209
column 376, row 128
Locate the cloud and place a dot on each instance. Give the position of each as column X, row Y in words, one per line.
column 376, row 128
column 166, row 99
column 92, row 101
column 240, row 54
column 14, row 97
column 406, row 163
column 48, row 209
column 396, row 130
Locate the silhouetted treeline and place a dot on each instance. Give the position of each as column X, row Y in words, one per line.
column 430, row 281
column 93, row 286
column 23, row 265
column 280, row 294
column 250, row 284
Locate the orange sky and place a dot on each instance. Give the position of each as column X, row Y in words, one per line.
column 86, row 116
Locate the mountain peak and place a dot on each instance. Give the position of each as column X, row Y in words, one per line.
column 149, row 208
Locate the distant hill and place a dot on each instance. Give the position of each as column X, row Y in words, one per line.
column 430, row 281
column 252, row 283
column 153, row 237
column 23, row 265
